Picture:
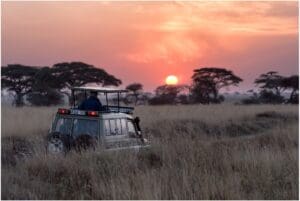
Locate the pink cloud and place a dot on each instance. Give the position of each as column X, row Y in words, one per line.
column 146, row 41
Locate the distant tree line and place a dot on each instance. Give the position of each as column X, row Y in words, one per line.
column 271, row 87
column 45, row 86
column 208, row 81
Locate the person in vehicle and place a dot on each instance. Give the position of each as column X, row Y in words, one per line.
column 92, row 103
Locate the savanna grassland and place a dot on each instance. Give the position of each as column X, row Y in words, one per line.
column 198, row 152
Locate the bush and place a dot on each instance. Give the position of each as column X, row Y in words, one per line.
column 47, row 98
column 270, row 97
column 251, row 100
column 264, row 97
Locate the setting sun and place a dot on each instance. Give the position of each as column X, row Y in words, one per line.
column 171, row 80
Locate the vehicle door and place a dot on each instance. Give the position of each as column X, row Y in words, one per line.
column 86, row 126
column 119, row 132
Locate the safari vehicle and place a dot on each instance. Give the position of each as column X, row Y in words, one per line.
column 111, row 127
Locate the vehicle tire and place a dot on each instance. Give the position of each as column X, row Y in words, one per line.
column 85, row 142
column 57, row 144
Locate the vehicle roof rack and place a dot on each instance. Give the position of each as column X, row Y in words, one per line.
column 100, row 89
column 109, row 108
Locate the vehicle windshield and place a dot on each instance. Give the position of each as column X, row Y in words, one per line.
column 85, row 126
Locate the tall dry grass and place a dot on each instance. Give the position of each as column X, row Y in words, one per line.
column 198, row 152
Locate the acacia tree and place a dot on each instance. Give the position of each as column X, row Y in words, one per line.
column 272, row 86
column 136, row 89
column 75, row 74
column 271, row 81
column 18, row 79
column 208, row 81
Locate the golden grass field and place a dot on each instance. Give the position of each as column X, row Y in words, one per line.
column 198, row 152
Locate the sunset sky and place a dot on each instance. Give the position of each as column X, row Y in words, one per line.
column 147, row 41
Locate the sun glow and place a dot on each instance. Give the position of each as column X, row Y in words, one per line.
column 171, row 80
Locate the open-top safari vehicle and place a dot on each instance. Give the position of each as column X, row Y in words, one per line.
column 111, row 127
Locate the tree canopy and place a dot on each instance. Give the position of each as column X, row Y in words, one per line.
column 272, row 85
column 76, row 74
column 136, row 89
column 271, row 81
column 208, row 81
